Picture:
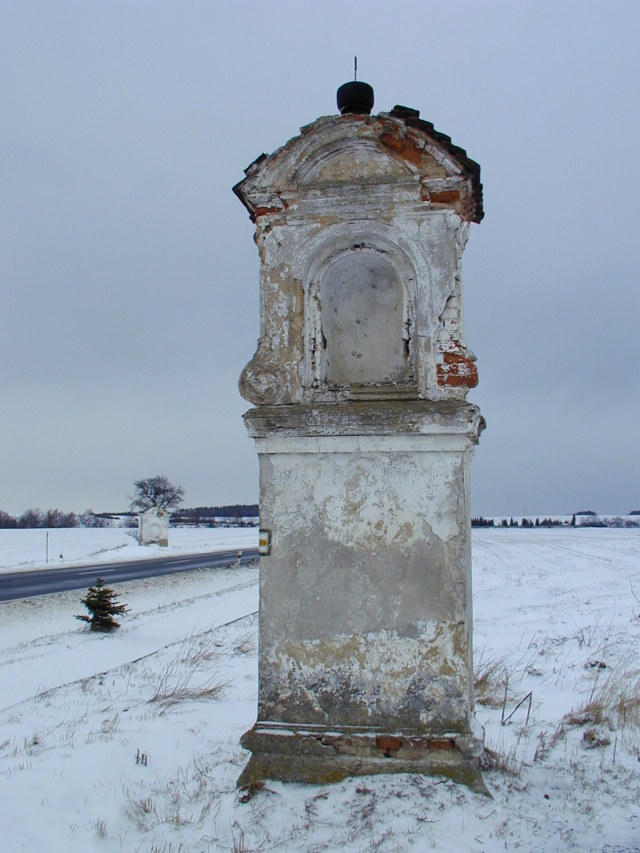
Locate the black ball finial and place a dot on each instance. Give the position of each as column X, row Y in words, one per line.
column 355, row 97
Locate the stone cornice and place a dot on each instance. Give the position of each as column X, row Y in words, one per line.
column 370, row 418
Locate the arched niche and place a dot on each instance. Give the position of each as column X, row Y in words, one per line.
column 363, row 315
column 340, row 272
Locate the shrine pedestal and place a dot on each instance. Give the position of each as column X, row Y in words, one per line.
column 365, row 610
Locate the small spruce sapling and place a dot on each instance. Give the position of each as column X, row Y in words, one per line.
column 102, row 605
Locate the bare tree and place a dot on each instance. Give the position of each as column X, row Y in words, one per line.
column 155, row 492
column 6, row 520
column 31, row 518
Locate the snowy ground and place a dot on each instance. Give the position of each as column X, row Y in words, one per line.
column 557, row 624
column 22, row 550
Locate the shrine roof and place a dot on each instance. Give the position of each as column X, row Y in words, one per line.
column 401, row 133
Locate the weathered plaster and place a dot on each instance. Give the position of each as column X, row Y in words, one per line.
column 364, row 442
column 417, row 679
column 367, row 542
column 343, row 193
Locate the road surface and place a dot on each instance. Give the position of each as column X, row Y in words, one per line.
column 48, row 581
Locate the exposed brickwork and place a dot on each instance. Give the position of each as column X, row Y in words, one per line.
column 473, row 208
column 455, row 365
column 264, row 211
column 457, row 369
column 405, row 147
column 444, row 743
column 409, row 141
column 444, row 197
column 388, row 743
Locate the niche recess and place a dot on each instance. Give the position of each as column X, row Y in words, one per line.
column 363, row 337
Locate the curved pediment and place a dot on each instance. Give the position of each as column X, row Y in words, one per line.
column 350, row 161
column 387, row 148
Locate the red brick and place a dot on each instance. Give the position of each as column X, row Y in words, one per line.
column 404, row 147
column 444, row 197
column 457, row 370
column 445, row 743
column 388, row 743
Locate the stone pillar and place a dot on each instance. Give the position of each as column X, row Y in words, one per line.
column 364, row 439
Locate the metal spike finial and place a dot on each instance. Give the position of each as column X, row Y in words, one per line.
column 355, row 97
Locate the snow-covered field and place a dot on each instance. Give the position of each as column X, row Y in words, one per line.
column 21, row 550
column 557, row 638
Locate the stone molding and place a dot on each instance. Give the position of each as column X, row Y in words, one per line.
column 320, row 755
column 367, row 418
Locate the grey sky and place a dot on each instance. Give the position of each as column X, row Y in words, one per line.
column 129, row 275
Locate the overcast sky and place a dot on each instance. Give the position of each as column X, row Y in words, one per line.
column 129, row 275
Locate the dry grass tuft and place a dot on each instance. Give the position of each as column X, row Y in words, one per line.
column 188, row 798
column 507, row 763
column 615, row 701
column 246, row 644
column 254, row 786
column 489, row 679
column 176, row 683
column 239, row 841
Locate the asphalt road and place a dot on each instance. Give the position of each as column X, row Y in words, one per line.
column 48, row 581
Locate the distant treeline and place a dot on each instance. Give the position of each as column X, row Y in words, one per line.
column 206, row 516
column 587, row 518
column 480, row 521
column 592, row 520
column 212, row 516
column 33, row 518
column 246, row 514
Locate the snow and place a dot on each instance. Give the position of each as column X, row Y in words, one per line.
column 21, row 550
column 557, row 616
